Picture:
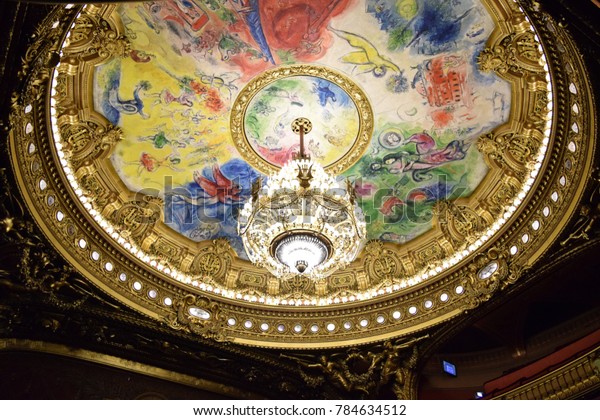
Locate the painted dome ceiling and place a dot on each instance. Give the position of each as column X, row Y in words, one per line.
column 163, row 114
column 177, row 94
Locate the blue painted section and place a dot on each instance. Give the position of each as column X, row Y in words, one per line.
column 252, row 18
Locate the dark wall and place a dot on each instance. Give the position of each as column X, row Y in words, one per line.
column 31, row 375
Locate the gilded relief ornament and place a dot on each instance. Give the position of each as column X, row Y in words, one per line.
column 94, row 188
column 459, row 223
column 486, row 275
column 209, row 264
column 253, row 280
column 426, row 257
column 394, row 363
column 136, row 219
column 96, row 39
column 42, row 54
column 200, row 316
column 513, row 153
column 380, row 262
column 213, row 261
column 374, row 371
column 297, row 287
column 516, row 54
column 523, row 148
column 350, row 371
column 167, row 251
column 502, row 195
column 88, row 141
column 342, row 282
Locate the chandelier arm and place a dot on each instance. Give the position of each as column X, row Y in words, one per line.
column 251, row 219
column 351, row 219
column 271, row 206
column 324, row 199
column 356, row 228
column 276, row 205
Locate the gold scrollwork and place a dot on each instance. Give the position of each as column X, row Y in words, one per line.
column 486, row 274
column 42, row 55
column 167, row 251
column 93, row 38
column 82, row 30
column 381, row 263
column 522, row 148
column 459, row 223
column 348, row 371
column 362, row 372
column 296, row 287
column 502, row 194
column 253, row 280
column 95, row 189
column 88, row 141
column 515, row 54
column 527, row 50
column 209, row 264
column 209, row 322
column 342, row 281
column 512, row 152
column 136, row 219
column 425, row 257
column 213, row 261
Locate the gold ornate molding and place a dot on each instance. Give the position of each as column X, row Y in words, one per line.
column 387, row 368
column 516, row 54
column 200, row 316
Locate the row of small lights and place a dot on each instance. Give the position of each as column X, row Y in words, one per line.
column 183, row 278
column 554, row 195
column 82, row 242
column 88, row 205
column 347, row 325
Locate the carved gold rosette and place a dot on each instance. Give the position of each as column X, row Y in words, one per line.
column 539, row 162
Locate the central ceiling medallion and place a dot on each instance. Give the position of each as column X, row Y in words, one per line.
column 304, row 221
column 269, row 103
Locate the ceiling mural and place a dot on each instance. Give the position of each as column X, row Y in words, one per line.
column 269, row 130
column 144, row 141
column 174, row 93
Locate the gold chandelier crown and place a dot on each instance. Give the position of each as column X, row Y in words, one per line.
column 303, row 222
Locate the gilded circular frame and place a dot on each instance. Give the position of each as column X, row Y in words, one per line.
column 354, row 92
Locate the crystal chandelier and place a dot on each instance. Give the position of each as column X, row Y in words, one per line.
column 303, row 222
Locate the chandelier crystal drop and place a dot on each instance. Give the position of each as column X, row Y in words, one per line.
column 303, row 222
